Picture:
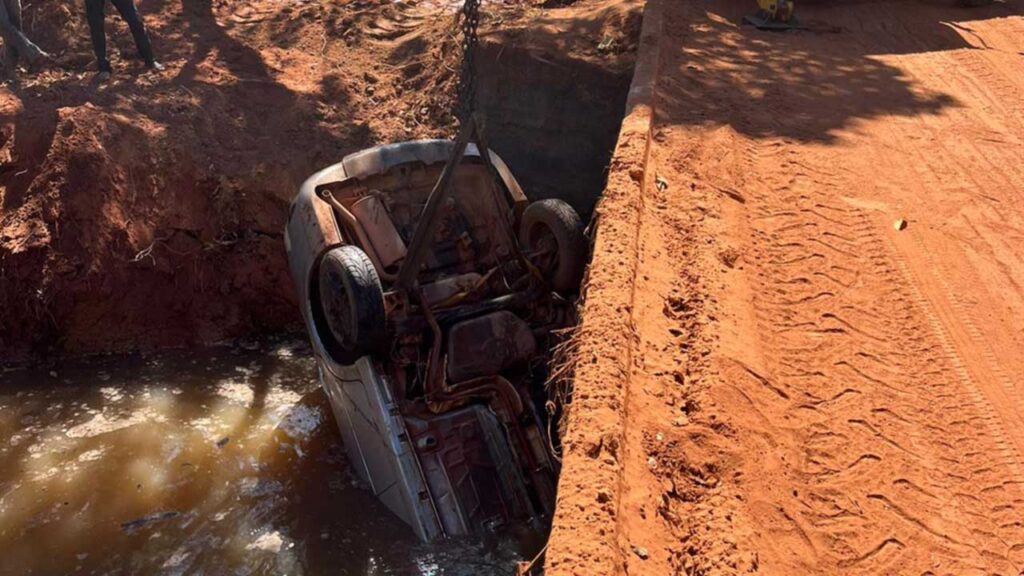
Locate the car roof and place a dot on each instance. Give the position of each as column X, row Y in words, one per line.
column 380, row 159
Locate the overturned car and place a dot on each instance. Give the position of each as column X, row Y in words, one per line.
column 435, row 371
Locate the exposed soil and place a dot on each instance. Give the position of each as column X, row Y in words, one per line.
column 820, row 373
column 148, row 211
column 801, row 340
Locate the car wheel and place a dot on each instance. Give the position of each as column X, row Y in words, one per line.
column 353, row 302
column 551, row 237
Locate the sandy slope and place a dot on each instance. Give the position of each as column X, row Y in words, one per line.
column 813, row 391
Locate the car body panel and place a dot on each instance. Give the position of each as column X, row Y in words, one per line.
column 378, row 444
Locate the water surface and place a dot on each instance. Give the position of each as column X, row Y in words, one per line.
column 223, row 461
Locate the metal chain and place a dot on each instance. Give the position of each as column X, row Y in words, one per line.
column 465, row 103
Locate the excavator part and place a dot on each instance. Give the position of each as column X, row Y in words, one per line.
column 774, row 15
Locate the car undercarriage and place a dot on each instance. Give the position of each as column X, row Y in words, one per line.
column 438, row 387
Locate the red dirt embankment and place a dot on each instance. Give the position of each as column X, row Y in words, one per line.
column 799, row 383
column 148, row 211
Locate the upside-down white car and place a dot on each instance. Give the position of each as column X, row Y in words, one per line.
column 437, row 384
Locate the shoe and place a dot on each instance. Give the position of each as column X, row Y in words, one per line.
column 104, row 67
column 155, row 66
column 103, row 76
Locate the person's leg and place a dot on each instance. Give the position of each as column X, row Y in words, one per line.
column 131, row 16
column 9, row 33
column 13, row 9
column 94, row 14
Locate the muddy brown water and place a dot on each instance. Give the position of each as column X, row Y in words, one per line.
column 222, row 461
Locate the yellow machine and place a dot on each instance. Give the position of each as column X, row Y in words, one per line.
column 773, row 15
column 778, row 14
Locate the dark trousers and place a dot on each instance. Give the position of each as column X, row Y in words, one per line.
column 94, row 13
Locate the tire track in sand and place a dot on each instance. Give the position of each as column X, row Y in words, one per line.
column 881, row 409
column 873, row 423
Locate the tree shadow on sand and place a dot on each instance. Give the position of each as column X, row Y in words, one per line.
column 214, row 148
column 806, row 85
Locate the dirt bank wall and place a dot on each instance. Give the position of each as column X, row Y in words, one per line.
column 798, row 346
column 147, row 211
column 584, row 538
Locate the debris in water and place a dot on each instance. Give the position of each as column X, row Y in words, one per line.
column 236, row 391
column 179, row 556
column 641, row 552
column 100, row 424
column 111, row 394
column 148, row 520
column 223, row 442
column 270, row 542
column 259, row 487
column 91, row 455
column 900, row 224
column 301, row 421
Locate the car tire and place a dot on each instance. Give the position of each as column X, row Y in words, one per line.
column 352, row 301
column 551, row 235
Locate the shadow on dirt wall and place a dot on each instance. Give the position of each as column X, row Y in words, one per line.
column 808, row 84
column 196, row 471
column 184, row 171
column 156, row 202
column 554, row 121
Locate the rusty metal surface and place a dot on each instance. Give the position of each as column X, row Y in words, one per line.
column 428, row 221
column 487, row 345
column 380, row 231
column 310, row 232
column 312, row 228
column 380, row 159
column 472, row 267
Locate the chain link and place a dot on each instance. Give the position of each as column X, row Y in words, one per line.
column 465, row 103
